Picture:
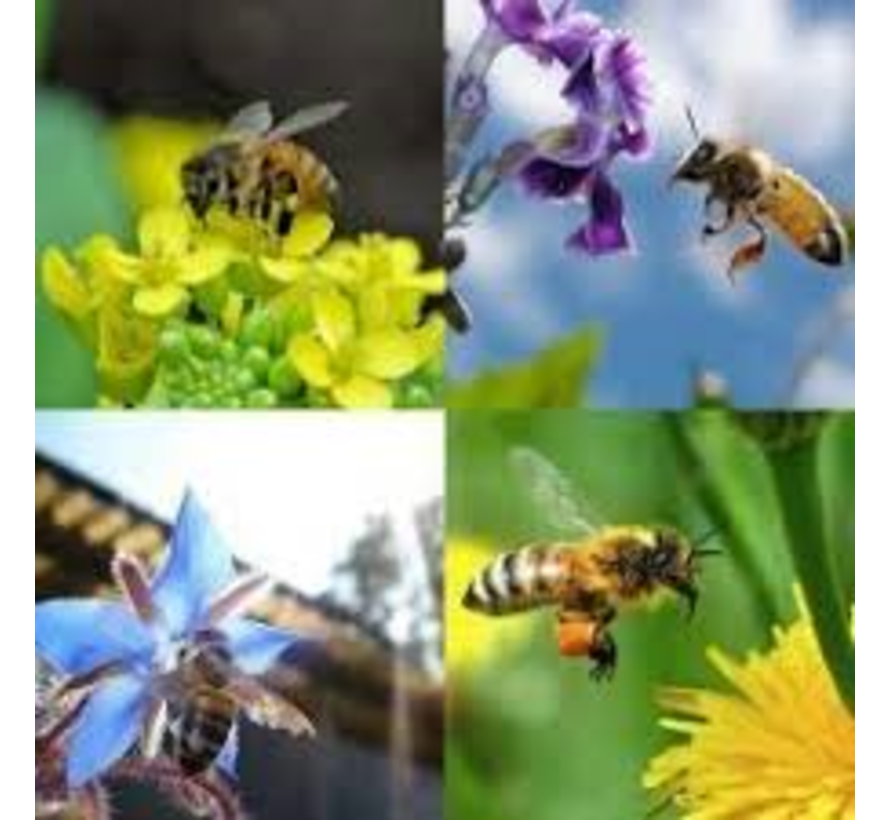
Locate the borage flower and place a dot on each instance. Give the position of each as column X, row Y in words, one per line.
column 132, row 648
column 783, row 747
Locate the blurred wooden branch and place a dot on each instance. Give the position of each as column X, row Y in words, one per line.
column 356, row 685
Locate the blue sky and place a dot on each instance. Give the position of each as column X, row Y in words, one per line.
column 777, row 72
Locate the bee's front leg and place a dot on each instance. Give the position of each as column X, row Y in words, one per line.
column 716, row 222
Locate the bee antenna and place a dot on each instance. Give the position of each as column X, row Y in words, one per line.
column 699, row 543
column 693, row 123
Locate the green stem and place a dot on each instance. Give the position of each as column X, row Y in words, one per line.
column 796, row 474
column 719, row 508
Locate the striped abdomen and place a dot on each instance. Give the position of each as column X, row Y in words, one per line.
column 519, row 581
column 197, row 735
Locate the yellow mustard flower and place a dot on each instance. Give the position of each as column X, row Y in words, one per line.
column 471, row 639
column 282, row 261
column 386, row 276
column 351, row 364
column 125, row 356
column 782, row 747
column 171, row 261
column 151, row 152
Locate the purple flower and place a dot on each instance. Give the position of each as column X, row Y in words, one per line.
column 609, row 88
column 610, row 81
column 573, row 163
column 195, row 593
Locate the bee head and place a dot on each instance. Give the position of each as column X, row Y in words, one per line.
column 698, row 165
column 201, row 182
column 675, row 563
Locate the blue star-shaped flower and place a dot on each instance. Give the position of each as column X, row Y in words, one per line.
column 197, row 589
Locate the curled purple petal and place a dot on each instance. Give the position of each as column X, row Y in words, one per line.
column 569, row 39
column 107, row 729
column 520, row 20
column 564, row 160
column 605, row 232
column 79, row 636
column 198, row 567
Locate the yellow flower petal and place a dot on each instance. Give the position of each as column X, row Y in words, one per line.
column 125, row 356
column 283, row 271
column 159, row 302
column 334, row 318
column 203, row 265
column 310, row 234
column 64, row 286
column 311, row 359
column 780, row 744
column 164, row 233
column 388, row 355
column 362, row 393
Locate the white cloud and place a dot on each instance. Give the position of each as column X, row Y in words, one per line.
column 829, row 384
column 758, row 69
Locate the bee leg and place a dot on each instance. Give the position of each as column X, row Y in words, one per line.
column 717, row 223
column 750, row 253
column 604, row 655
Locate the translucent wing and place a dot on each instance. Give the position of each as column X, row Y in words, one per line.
column 267, row 708
column 551, row 493
column 253, row 120
column 306, row 119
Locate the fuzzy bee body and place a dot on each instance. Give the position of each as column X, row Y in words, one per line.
column 588, row 581
column 754, row 189
column 203, row 699
column 260, row 172
column 197, row 735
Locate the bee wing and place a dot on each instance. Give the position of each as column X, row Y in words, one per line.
column 552, row 494
column 306, row 119
column 268, row 708
column 253, row 120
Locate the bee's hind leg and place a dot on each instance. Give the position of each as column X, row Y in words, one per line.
column 604, row 655
column 749, row 254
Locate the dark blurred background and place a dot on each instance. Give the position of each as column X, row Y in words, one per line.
column 194, row 58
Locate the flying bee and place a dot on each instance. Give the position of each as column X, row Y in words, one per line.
column 589, row 580
column 256, row 169
column 748, row 186
column 200, row 702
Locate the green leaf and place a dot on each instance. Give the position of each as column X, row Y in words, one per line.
column 556, row 377
column 44, row 16
column 77, row 195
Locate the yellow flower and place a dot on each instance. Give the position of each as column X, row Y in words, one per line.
column 781, row 748
column 151, row 152
column 353, row 365
column 281, row 261
column 170, row 264
column 386, row 277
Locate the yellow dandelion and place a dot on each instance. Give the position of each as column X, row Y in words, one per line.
column 781, row 747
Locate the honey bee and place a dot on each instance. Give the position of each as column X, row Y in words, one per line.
column 750, row 187
column 199, row 704
column 590, row 579
column 256, row 169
